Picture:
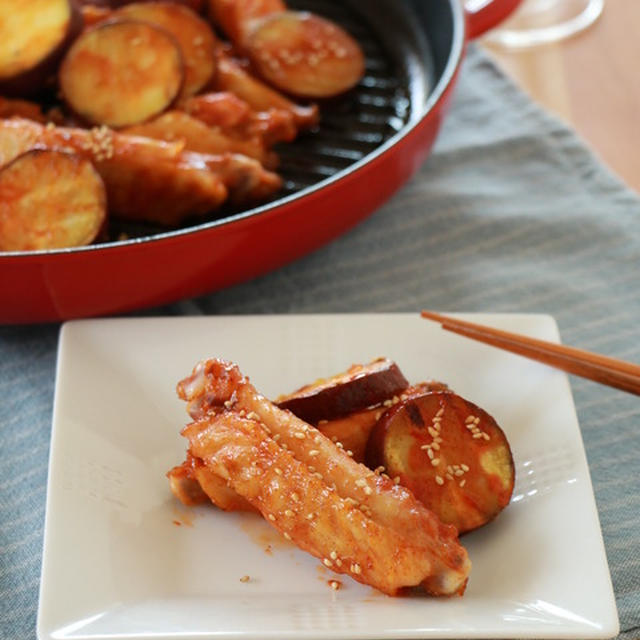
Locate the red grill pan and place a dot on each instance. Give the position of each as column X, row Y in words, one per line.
column 368, row 144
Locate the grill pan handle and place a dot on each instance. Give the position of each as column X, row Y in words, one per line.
column 483, row 15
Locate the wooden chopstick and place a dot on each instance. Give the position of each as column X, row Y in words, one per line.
column 609, row 371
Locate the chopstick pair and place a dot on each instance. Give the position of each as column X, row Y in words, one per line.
column 609, row 371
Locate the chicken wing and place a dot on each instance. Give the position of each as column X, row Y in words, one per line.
column 232, row 77
column 236, row 118
column 197, row 136
column 193, row 483
column 216, row 386
column 302, row 506
column 236, row 17
column 10, row 108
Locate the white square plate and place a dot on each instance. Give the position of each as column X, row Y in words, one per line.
column 122, row 559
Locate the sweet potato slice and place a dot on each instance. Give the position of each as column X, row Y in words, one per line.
column 194, row 35
column 121, row 73
column 353, row 431
column 450, row 453
column 360, row 387
column 305, row 55
column 48, row 200
column 33, row 37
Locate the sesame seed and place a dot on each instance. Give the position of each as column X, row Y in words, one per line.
column 310, row 516
column 432, row 432
column 335, row 585
column 476, row 420
column 327, row 562
column 435, row 462
column 459, row 472
column 339, row 445
column 368, row 491
column 462, row 482
column 356, row 568
column 439, row 480
column 276, row 437
column 245, row 579
column 435, row 445
column 469, row 419
column 278, row 470
column 333, row 555
column 299, row 435
column 295, row 497
column 431, row 454
column 361, row 482
column 252, row 415
column 440, row 412
column 271, row 517
column 322, row 421
column 287, row 536
column 486, row 436
column 449, row 476
column 464, row 467
column 288, row 513
column 425, row 446
column 477, row 435
column 396, row 480
column 314, row 452
column 338, row 562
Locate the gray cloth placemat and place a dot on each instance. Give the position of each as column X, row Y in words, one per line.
column 511, row 213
